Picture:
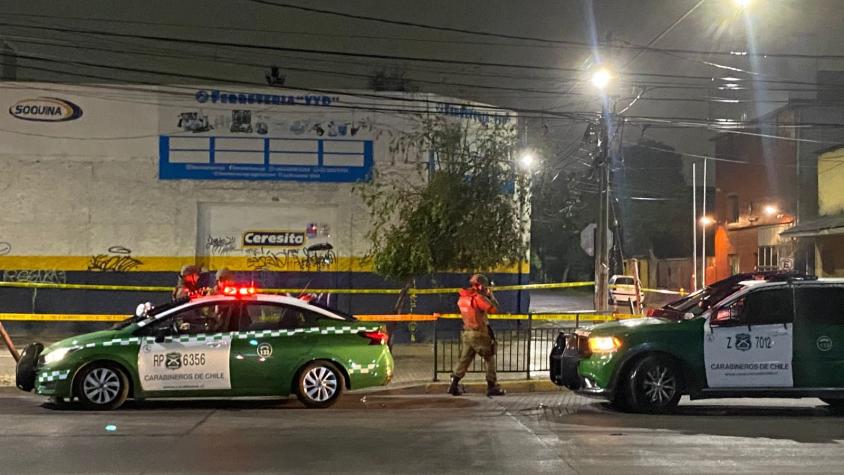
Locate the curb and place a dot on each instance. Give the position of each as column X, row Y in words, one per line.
column 440, row 388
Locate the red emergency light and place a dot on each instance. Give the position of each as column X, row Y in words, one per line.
column 238, row 291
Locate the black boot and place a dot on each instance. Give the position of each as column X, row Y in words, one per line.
column 493, row 389
column 455, row 388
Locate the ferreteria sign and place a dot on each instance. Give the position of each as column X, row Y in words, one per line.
column 45, row 109
column 273, row 238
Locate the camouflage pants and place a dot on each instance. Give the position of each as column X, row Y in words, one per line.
column 480, row 343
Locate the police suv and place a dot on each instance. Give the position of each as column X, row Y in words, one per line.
column 768, row 339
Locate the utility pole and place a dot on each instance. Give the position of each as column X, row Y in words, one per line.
column 602, row 230
column 694, row 227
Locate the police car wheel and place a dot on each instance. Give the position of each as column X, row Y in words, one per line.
column 101, row 387
column 320, row 384
column 836, row 403
column 654, row 385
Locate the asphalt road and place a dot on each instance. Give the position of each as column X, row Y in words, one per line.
column 528, row 433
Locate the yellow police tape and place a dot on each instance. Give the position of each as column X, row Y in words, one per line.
column 84, row 317
column 62, row 317
column 450, row 290
column 139, row 288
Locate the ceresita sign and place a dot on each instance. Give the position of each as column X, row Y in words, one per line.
column 45, row 109
column 273, row 238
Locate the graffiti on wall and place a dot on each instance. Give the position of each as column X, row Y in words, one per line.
column 317, row 257
column 220, row 245
column 118, row 259
column 38, row 276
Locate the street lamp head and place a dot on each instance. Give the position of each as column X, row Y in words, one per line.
column 527, row 160
column 601, row 78
column 771, row 210
column 706, row 220
column 742, row 3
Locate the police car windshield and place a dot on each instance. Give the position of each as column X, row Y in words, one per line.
column 702, row 300
column 151, row 313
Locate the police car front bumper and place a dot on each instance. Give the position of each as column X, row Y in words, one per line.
column 564, row 360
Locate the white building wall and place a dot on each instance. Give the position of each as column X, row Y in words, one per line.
column 77, row 188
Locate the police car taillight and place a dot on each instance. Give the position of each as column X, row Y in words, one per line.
column 377, row 337
column 235, row 291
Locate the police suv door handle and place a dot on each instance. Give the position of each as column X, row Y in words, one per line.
column 214, row 344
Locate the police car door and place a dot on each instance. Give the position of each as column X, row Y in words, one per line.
column 748, row 342
column 188, row 350
column 272, row 341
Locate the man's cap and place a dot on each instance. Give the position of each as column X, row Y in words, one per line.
column 189, row 269
column 479, row 279
column 224, row 274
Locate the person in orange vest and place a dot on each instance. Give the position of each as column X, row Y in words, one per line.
column 475, row 304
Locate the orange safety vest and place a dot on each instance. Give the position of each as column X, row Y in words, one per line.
column 474, row 308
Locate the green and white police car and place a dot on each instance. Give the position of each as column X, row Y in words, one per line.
column 241, row 344
column 769, row 339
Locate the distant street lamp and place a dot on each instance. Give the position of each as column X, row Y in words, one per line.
column 771, row 210
column 742, row 3
column 706, row 221
column 527, row 160
column 601, row 78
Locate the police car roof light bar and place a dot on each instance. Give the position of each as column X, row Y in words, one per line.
column 238, row 291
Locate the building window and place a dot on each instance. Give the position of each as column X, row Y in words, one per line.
column 733, row 261
column 768, row 258
column 732, row 209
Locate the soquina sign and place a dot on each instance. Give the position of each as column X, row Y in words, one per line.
column 45, row 109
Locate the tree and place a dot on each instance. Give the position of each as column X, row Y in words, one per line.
column 653, row 201
column 461, row 213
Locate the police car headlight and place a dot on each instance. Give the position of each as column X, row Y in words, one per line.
column 57, row 355
column 604, row 344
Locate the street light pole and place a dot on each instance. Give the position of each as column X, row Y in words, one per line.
column 703, row 234
column 694, row 226
column 601, row 246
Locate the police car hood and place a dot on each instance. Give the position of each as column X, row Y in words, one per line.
column 82, row 340
column 626, row 326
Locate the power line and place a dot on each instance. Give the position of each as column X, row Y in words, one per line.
column 421, row 25
column 361, row 55
column 577, row 116
column 153, row 53
column 581, row 44
column 285, row 32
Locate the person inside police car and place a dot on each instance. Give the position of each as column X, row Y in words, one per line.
column 476, row 303
column 188, row 284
